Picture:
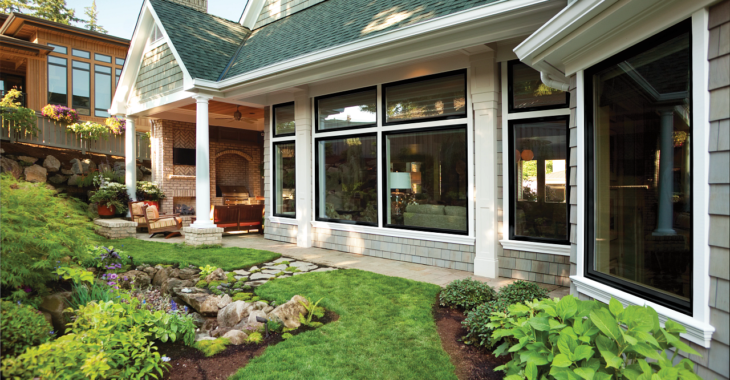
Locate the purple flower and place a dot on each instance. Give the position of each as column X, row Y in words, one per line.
column 126, row 278
column 113, row 276
column 111, row 283
column 173, row 306
column 103, row 277
column 51, row 333
column 18, row 302
column 27, row 289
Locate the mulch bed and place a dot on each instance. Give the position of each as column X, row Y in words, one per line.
column 472, row 363
column 190, row 364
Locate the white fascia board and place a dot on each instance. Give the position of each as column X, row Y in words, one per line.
column 483, row 16
column 187, row 80
column 158, row 104
column 251, row 13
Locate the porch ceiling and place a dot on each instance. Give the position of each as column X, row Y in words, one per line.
column 220, row 114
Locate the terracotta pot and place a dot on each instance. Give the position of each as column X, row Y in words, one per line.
column 105, row 211
column 152, row 203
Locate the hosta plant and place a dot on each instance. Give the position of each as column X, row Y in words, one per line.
column 571, row 339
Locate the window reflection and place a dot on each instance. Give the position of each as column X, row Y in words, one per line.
column 285, row 179
column 81, row 100
column 350, row 110
column 529, row 93
column 435, row 97
column 102, row 90
column 284, row 119
column 57, row 81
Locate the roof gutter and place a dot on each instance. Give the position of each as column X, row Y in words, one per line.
column 549, row 81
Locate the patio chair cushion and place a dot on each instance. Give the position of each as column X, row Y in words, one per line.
column 140, row 219
column 137, row 208
column 152, row 212
column 164, row 223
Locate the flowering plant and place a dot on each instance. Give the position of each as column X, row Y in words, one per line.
column 109, row 260
column 15, row 116
column 111, row 194
column 116, row 125
column 149, row 191
column 89, row 130
column 60, row 113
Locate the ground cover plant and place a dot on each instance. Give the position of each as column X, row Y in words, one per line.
column 572, row 339
column 466, row 294
column 153, row 253
column 22, row 326
column 386, row 330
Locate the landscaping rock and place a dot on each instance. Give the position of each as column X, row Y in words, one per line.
column 252, row 316
column 288, row 313
column 141, row 279
column 203, row 336
column 104, row 167
column 9, row 166
column 36, row 174
column 237, row 337
column 282, row 259
column 172, row 283
column 58, row 178
column 241, row 272
column 233, row 313
column 54, row 305
column 261, row 276
column 277, row 268
column 254, row 283
column 28, row 159
column 74, row 180
column 52, row 164
column 198, row 319
column 189, row 274
column 209, row 324
column 48, row 317
column 303, row 266
column 77, row 167
column 204, row 303
column 219, row 331
column 253, row 268
column 67, row 172
column 270, row 271
column 89, row 165
column 164, row 274
column 217, row 275
column 225, row 300
column 244, row 278
column 150, row 271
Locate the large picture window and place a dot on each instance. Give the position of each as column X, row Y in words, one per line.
column 538, row 179
column 527, row 92
column 427, row 180
column 284, row 120
column 285, row 179
column 639, row 170
column 102, row 90
column 352, row 109
column 57, row 81
column 435, row 97
column 81, row 90
column 347, row 179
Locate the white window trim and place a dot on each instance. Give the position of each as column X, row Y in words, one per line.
column 283, row 220
column 699, row 329
column 520, row 245
column 397, row 233
column 273, row 140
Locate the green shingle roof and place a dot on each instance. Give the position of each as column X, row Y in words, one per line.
column 206, row 43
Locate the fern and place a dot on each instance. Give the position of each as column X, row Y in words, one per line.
column 212, row 347
column 312, row 311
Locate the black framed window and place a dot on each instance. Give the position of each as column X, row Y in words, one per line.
column 119, row 61
column 639, row 169
column 102, row 58
column 284, row 120
column 80, row 53
column 284, row 179
column 81, row 89
column 57, row 81
column 434, row 97
column 347, row 110
column 59, row 49
column 426, row 185
column 102, row 90
column 346, row 179
column 538, row 180
column 527, row 92
column 117, row 74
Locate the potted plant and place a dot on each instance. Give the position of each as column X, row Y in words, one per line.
column 116, row 125
column 150, row 193
column 60, row 113
column 111, row 198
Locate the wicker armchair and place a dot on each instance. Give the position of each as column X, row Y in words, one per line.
column 157, row 224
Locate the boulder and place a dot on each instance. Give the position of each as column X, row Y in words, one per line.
column 237, row 337
column 288, row 313
column 174, row 282
column 225, row 300
column 58, row 178
column 252, row 321
column 198, row 320
column 76, row 166
column 54, row 305
column 9, row 166
column 204, row 303
column 217, row 275
column 67, row 172
column 28, row 159
column 203, row 336
column 89, row 165
column 36, row 174
column 48, row 317
column 189, row 274
column 164, row 274
column 52, row 164
column 219, row 331
column 209, row 324
column 74, row 180
column 119, row 165
column 233, row 313
column 141, row 279
column 150, row 271
column 104, row 167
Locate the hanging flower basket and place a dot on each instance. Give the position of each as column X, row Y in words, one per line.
column 60, row 113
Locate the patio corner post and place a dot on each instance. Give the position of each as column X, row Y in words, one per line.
column 485, row 99
column 303, row 122
column 130, row 157
column 202, row 163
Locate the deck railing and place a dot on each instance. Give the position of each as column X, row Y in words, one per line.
column 55, row 134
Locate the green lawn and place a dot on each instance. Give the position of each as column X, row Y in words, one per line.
column 386, row 330
column 149, row 252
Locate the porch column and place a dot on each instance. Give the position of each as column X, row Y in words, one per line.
column 485, row 99
column 303, row 122
column 202, row 163
column 130, row 157
column 666, row 174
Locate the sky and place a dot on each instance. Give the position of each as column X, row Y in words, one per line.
column 119, row 17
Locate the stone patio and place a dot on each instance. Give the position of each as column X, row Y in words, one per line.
column 338, row 259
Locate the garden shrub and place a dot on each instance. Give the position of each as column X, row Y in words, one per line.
column 40, row 231
column 22, row 326
column 212, row 346
column 106, row 340
column 255, row 338
column 573, row 339
column 466, row 294
column 202, row 284
column 521, row 291
column 477, row 321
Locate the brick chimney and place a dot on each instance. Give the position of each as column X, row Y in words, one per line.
column 198, row 5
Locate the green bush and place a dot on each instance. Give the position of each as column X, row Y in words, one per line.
column 106, row 340
column 40, row 230
column 212, row 346
column 573, row 339
column 202, row 284
column 22, row 326
column 521, row 291
column 242, row 297
column 477, row 321
column 466, row 294
column 255, row 338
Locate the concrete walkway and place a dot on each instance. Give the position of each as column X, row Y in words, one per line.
column 418, row 272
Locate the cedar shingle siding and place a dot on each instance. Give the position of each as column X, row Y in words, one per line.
column 159, row 74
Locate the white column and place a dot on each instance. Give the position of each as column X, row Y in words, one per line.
column 304, row 173
column 130, row 157
column 202, row 164
column 666, row 174
column 485, row 99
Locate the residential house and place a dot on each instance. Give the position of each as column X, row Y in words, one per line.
column 581, row 143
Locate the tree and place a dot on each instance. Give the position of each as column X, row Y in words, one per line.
column 93, row 14
column 55, row 10
column 10, row 6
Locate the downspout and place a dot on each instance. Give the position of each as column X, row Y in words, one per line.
column 554, row 83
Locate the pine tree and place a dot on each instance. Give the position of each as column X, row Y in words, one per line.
column 55, row 10
column 10, row 6
column 93, row 14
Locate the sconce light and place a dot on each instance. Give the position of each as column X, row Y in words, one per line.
column 527, row 155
